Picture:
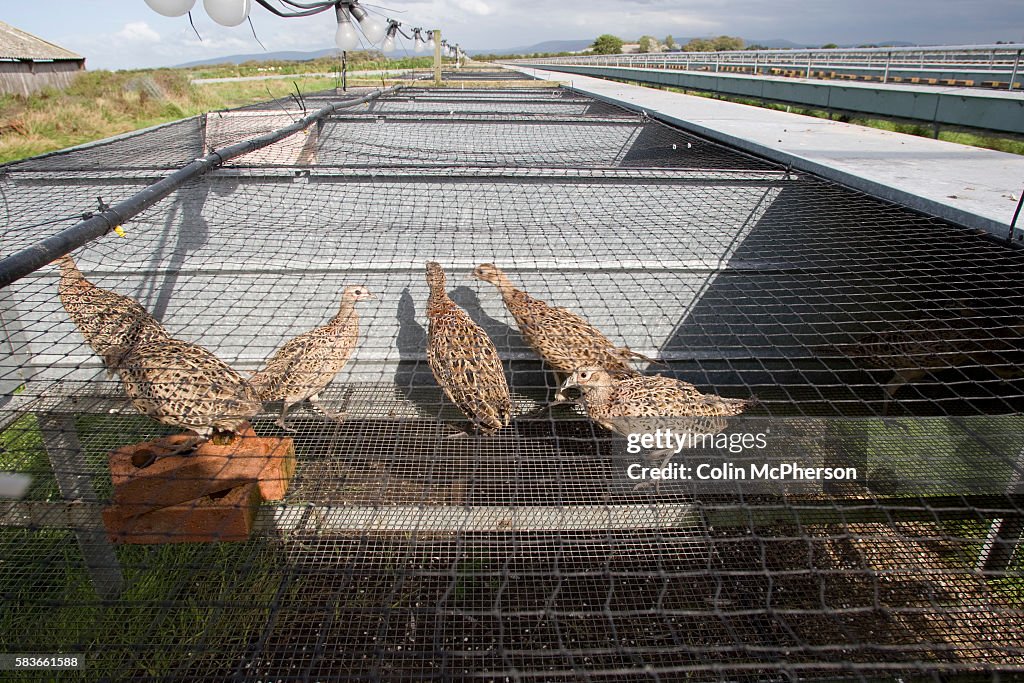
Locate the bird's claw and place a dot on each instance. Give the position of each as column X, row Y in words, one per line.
column 647, row 484
column 282, row 425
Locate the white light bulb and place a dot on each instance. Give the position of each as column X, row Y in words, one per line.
column 417, row 43
column 373, row 28
column 430, row 41
column 346, row 37
column 171, row 8
column 227, row 12
column 388, row 45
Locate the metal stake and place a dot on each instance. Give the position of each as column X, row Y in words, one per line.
column 69, row 467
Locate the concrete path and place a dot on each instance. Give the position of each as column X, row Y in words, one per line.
column 978, row 188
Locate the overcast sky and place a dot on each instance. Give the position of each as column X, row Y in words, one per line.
column 121, row 34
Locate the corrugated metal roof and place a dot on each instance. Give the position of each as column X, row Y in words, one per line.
column 17, row 44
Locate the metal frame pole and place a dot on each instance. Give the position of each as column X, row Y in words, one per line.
column 31, row 258
column 60, row 438
column 437, row 56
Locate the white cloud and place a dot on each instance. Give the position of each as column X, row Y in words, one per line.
column 119, row 34
column 477, row 7
column 137, row 31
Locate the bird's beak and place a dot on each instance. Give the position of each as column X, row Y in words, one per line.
column 570, row 381
column 374, row 297
column 472, row 276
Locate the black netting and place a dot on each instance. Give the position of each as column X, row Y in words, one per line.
column 871, row 336
column 169, row 146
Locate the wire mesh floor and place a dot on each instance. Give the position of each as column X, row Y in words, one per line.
column 870, row 335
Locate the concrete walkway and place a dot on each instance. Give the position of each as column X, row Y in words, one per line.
column 975, row 187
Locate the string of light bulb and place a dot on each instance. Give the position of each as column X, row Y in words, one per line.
column 349, row 15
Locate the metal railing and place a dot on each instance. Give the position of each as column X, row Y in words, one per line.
column 988, row 65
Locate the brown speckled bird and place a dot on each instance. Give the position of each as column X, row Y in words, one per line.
column 464, row 360
column 607, row 397
column 642, row 404
column 562, row 338
column 105, row 318
column 184, row 385
column 306, row 364
column 913, row 353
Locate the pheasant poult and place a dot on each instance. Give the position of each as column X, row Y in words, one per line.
column 562, row 338
column 305, row 365
column 106, row 319
column 464, row 360
column 643, row 404
column 184, row 385
column 912, row 354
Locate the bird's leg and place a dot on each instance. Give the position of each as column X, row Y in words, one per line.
column 899, row 378
column 333, row 415
column 280, row 420
column 664, row 462
column 540, row 410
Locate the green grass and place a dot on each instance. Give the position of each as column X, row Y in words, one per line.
column 178, row 597
column 357, row 61
column 200, row 606
column 100, row 104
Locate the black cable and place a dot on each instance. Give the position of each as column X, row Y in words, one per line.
column 256, row 37
column 193, row 23
column 265, row 4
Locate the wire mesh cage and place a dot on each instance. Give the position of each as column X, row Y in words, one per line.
column 870, row 336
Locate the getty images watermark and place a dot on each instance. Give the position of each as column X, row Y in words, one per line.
column 757, row 465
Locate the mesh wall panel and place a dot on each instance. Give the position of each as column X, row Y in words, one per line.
column 871, row 337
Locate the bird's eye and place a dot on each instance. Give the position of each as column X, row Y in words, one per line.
column 584, row 375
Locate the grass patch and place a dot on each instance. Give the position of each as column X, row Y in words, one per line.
column 183, row 603
column 356, row 61
column 101, row 104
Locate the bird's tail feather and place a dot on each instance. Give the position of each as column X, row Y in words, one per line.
column 735, row 406
column 630, row 353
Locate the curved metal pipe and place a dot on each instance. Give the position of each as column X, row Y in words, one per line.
column 31, row 258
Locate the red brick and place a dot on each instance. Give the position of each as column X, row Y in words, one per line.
column 279, row 470
column 172, row 479
column 222, row 518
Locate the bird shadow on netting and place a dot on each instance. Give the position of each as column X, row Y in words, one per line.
column 413, row 380
column 792, row 319
column 185, row 230
column 504, row 336
column 530, row 378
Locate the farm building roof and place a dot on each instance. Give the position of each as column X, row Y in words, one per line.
column 18, row 44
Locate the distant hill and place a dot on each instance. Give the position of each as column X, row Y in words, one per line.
column 546, row 46
column 579, row 45
column 286, row 56
column 774, row 43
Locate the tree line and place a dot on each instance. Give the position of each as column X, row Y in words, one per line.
column 608, row 44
